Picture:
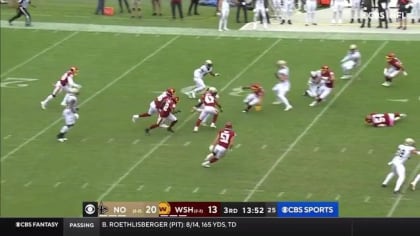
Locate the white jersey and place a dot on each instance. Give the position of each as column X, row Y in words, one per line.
column 71, row 103
column 402, row 154
column 202, row 71
column 259, row 4
column 283, row 72
column 225, row 5
column 354, row 56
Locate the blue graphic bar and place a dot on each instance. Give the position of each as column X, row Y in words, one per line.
column 307, row 209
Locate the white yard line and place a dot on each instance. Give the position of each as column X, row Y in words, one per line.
column 39, row 54
column 186, row 121
column 9, row 154
column 314, row 121
column 400, row 196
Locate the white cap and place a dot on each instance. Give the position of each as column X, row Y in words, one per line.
column 313, row 73
column 281, row 62
column 353, row 46
column 209, row 62
column 409, row 141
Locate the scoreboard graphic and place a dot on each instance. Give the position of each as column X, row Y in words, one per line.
column 211, row 209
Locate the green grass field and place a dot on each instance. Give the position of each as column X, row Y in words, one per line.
column 322, row 153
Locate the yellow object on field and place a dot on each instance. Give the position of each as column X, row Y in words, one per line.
column 258, row 108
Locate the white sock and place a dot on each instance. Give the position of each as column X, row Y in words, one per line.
column 400, row 181
column 417, row 179
column 65, row 98
column 284, row 100
column 388, row 178
column 64, row 129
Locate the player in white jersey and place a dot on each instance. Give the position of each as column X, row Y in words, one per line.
column 415, row 14
column 288, row 7
column 356, row 9
column 403, row 153
column 260, row 9
column 64, row 83
column 311, row 6
column 283, row 86
column 199, row 74
column 223, row 10
column 70, row 114
column 350, row 61
column 314, row 85
column 415, row 181
column 277, row 9
column 337, row 7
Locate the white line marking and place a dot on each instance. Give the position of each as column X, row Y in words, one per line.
column 398, row 100
column 196, row 190
column 316, row 149
column 309, row 195
column 343, row 149
column 337, row 197
column 136, row 141
column 39, row 54
column 187, row 143
column 238, row 145
column 186, row 121
column 367, row 198
column 370, row 151
column 57, row 184
column 400, row 196
column 84, row 140
column 264, row 146
column 223, row 191
column 85, row 185
column 140, row 188
column 280, row 194
column 91, row 97
column 110, row 140
column 168, row 189
column 27, row 184
column 7, row 136
column 314, row 121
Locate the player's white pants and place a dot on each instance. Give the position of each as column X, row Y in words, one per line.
column 223, row 20
column 252, row 99
column 281, row 90
column 166, row 120
column 324, row 92
column 355, row 9
column 219, row 151
column 69, row 117
column 310, row 11
column 313, row 90
column 288, row 6
column 276, row 5
column 199, row 84
column 337, row 8
column 397, row 168
column 348, row 65
column 208, row 110
column 391, row 72
column 152, row 108
column 260, row 11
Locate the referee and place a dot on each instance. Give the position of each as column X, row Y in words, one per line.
column 22, row 10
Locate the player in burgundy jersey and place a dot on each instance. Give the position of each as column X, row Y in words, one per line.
column 211, row 106
column 383, row 119
column 156, row 104
column 393, row 68
column 65, row 83
column 255, row 98
column 223, row 141
column 166, row 114
column 327, row 84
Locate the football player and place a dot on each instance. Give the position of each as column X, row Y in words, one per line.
column 393, row 68
column 383, row 119
column 283, row 85
column 255, row 98
column 314, row 85
column 327, row 79
column 350, row 61
column 156, row 104
column 65, row 83
column 199, row 74
column 223, row 141
column 403, row 153
column 211, row 107
column 166, row 114
column 70, row 113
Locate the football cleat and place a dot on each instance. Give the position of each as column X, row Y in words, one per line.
column 288, row 108
column 413, row 186
column 213, row 125
column 195, row 129
column 62, row 140
column 205, row 164
column 134, row 118
column 43, row 106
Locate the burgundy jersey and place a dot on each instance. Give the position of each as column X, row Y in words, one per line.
column 383, row 119
column 64, row 80
column 225, row 137
column 168, row 106
column 208, row 99
column 328, row 76
column 396, row 63
column 159, row 100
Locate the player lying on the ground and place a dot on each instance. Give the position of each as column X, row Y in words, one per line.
column 383, row 119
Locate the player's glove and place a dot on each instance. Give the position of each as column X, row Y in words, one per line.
column 216, row 74
column 405, row 73
column 77, row 116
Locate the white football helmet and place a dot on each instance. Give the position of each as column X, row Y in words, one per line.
column 213, row 90
column 409, row 141
column 74, row 90
column 353, row 46
column 281, row 62
column 209, row 62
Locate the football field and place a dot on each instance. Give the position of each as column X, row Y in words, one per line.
column 321, row 153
